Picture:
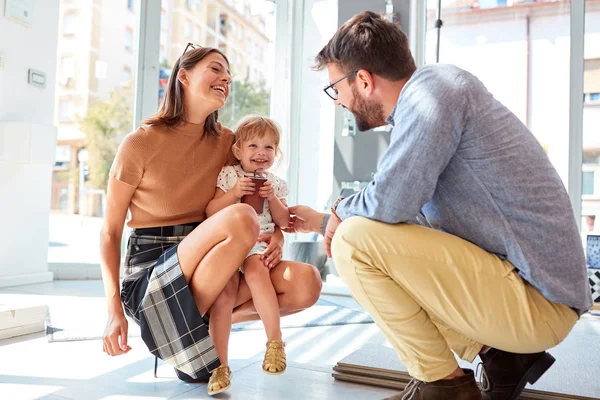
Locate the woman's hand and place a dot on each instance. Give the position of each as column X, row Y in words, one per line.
column 115, row 335
column 243, row 187
column 272, row 255
column 267, row 191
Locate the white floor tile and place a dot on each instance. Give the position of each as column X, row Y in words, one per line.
column 294, row 384
column 32, row 368
column 24, row 391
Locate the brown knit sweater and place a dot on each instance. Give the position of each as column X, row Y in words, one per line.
column 173, row 170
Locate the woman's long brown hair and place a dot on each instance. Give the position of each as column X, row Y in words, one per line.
column 171, row 111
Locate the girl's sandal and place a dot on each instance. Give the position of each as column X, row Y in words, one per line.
column 274, row 362
column 220, row 380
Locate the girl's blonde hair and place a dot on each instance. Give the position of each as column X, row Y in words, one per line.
column 256, row 126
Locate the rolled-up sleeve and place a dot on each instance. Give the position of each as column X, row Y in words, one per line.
column 129, row 163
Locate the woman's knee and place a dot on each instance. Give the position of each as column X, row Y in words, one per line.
column 243, row 215
column 308, row 292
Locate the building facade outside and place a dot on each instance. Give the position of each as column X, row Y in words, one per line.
column 96, row 56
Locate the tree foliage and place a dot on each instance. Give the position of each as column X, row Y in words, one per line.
column 103, row 125
column 245, row 98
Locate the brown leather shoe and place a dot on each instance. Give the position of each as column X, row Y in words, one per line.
column 459, row 388
column 504, row 375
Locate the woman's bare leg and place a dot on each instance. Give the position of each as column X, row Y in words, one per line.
column 219, row 327
column 298, row 286
column 256, row 276
column 213, row 252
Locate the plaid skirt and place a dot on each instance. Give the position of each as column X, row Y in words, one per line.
column 156, row 296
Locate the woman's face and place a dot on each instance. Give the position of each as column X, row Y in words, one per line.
column 208, row 83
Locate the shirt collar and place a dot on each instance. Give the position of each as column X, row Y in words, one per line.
column 390, row 118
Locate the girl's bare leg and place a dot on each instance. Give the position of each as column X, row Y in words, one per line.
column 263, row 295
column 298, row 286
column 219, row 326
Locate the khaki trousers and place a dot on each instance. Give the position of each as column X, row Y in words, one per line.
column 431, row 292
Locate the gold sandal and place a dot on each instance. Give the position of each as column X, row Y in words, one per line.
column 274, row 362
column 220, row 380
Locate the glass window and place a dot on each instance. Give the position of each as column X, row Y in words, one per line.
column 491, row 3
column 193, row 5
column 62, row 156
column 70, row 22
column 187, row 30
column 230, row 26
column 126, row 75
column 128, row 39
column 591, row 73
column 163, row 19
column 101, row 70
column 163, row 55
column 223, row 24
column 590, row 202
column 588, row 182
column 196, row 34
column 509, row 46
column 67, row 70
column 95, row 114
column 65, row 110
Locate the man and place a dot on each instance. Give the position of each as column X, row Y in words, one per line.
column 465, row 240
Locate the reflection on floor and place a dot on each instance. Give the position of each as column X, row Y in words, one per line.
column 32, row 368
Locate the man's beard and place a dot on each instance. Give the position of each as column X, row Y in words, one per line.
column 368, row 114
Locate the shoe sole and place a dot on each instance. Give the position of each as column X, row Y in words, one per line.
column 535, row 372
column 273, row 373
column 222, row 389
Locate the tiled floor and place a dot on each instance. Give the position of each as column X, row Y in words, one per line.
column 32, row 368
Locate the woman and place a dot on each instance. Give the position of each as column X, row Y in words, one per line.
column 180, row 267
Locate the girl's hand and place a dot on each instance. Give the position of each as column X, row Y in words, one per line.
column 272, row 255
column 267, row 191
column 244, row 186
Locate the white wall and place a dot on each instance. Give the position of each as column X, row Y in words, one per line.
column 27, row 143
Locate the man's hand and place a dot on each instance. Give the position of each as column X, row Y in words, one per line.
column 304, row 219
column 332, row 226
column 272, row 255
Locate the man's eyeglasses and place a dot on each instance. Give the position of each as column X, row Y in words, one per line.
column 192, row 46
column 332, row 91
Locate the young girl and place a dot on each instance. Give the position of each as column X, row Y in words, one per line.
column 256, row 147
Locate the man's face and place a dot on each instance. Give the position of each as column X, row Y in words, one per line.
column 354, row 97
